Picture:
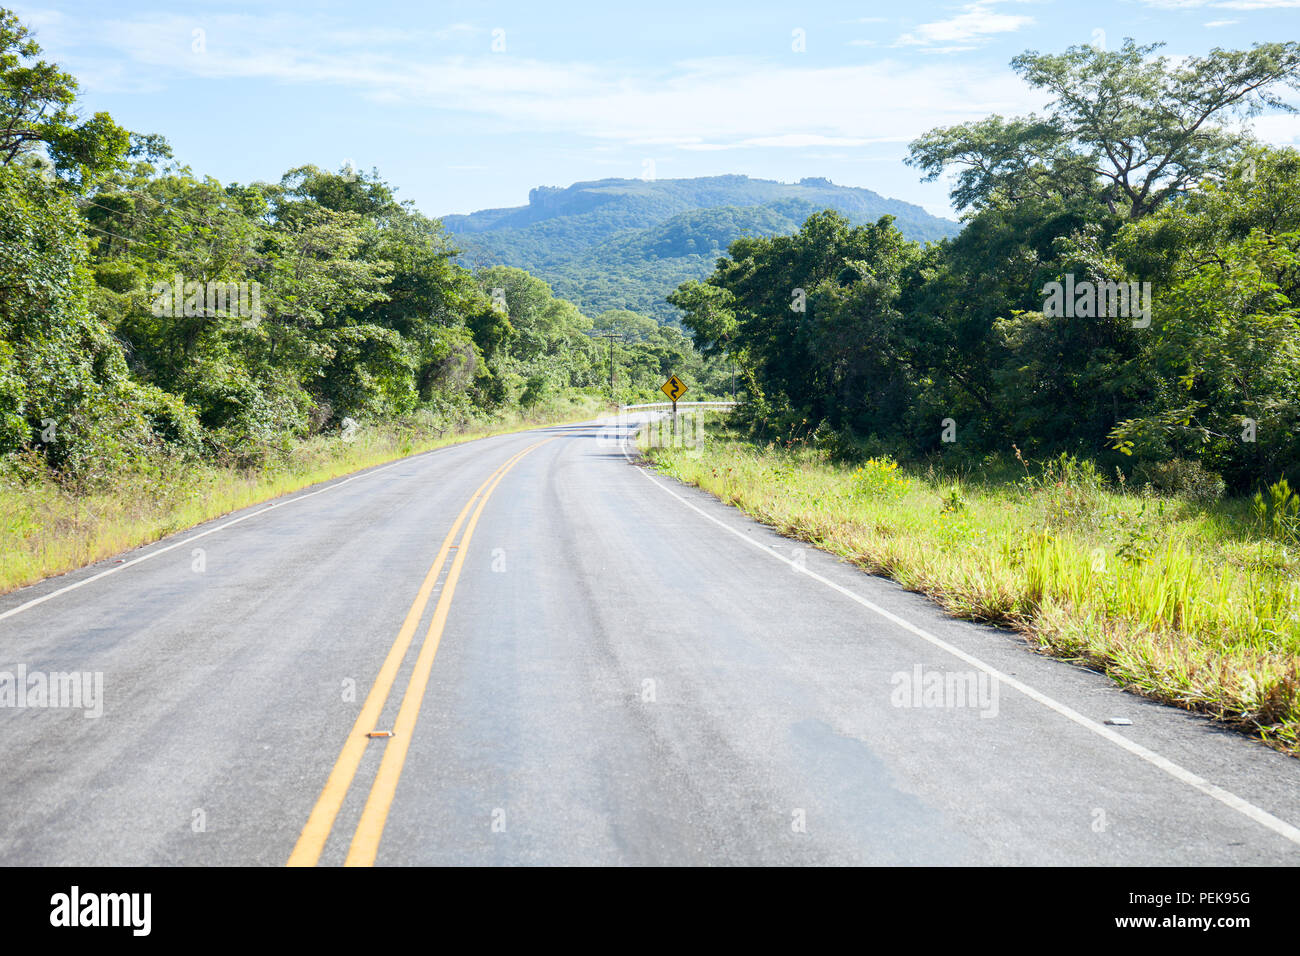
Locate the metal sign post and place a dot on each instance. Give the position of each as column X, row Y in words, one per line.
column 674, row 388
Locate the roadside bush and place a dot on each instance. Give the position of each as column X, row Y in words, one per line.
column 1070, row 490
column 1181, row 477
column 953, row 500
column 879, row 478
column 1278, row 512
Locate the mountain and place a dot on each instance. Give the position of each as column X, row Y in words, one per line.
column 627, row 243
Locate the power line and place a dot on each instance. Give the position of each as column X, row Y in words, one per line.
column 142, row 242
column 91, row 202
column 133, row 192
column 172, row 252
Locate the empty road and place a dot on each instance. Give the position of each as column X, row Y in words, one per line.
column 580, row 662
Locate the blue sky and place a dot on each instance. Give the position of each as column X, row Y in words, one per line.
column 464, row 106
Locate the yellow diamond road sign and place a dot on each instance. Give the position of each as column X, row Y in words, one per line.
column 674, row 388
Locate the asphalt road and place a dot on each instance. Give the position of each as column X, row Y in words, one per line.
column 610, row 669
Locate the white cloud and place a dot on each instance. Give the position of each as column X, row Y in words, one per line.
column 1279, row 129
column 1223, row 4
column 1215, row 24
column 717, row 102
column 1258, row 4
column 794, row 141
column 278, row 48
column 977, row 21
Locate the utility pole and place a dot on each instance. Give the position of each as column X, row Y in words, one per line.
column 611, row 335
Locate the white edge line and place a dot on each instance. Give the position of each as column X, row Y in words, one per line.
column 1259, row 815
column 334, row 483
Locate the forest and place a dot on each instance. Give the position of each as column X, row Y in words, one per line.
column 627, row 243
column 150, row 316
column 1139, row 175
column 150, row 313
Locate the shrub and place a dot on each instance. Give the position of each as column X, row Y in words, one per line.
column 1070, row 491
column 879, row 478
column 1181, row 477
column 953, row 499
column 1278, row 512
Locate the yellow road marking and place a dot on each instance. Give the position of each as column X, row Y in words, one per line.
column 311, row 841
column 365, row 841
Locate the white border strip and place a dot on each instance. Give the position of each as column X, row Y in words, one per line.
column 1260, row 816
column 334, row 483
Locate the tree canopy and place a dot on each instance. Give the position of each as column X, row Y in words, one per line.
column 1126, row 127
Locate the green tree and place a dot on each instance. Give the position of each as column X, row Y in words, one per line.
column 37, row 115
column 1224, row 347
column 64, row 383
column 1125, row 127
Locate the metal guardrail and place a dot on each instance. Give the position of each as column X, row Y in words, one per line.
column 680, row 405
column 619, row 429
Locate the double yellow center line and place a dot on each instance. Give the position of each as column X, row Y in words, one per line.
column 365, row 841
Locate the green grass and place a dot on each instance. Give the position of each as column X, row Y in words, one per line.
column 48, row 528
column 1186, row 603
